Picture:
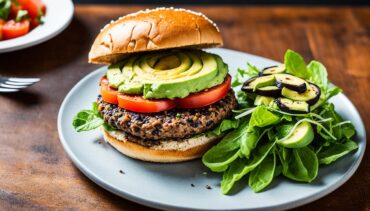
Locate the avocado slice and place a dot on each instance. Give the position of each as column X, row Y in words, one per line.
column 291, row 82
column 273, row 70
column 168, row 74
column 262, row 81
column 291, row 106
column 262, row 100
column 302, row 136
column 311, row 95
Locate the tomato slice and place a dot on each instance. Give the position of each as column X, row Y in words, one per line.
column 206, row 97
column 139, row 104
column 35, row 8
column 2, row 22
column 13, row 29
column 108, row 94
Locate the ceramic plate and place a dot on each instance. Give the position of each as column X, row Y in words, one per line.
column 168, row 186
column 58, row 16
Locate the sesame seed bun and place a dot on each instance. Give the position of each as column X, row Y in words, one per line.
column 149, row 30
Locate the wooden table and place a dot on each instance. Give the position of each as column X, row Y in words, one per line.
column 35, row 172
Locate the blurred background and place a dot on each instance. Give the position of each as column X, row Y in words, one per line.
column 211, row 2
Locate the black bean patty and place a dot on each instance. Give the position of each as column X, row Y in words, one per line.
column 171, row 124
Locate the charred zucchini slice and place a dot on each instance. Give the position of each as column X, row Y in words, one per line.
column 273, row 70
column 311, row 95
column 270, row 91
column 291, row 106
column 291, row 82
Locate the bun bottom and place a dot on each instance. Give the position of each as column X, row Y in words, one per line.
column 160, row 154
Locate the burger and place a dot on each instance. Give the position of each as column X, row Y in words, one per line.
column 161, row 94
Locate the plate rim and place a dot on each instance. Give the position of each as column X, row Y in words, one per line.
column 44, row 38
column 151, row 203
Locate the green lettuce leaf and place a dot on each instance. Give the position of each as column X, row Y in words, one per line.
column 263, row 174
column 301, row 165
column 243, row 166
column 226, row 151
column 335, row 151
column 225, row 125
column 318, row 74
column 261, row 117
column 5, row 9
column 295, row 64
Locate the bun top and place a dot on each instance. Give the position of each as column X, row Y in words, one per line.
column 150, row 30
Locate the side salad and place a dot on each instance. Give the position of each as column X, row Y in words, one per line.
column 285, row 125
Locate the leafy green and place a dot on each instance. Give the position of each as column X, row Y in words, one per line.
column 87, row 120
column 241, row 73
column 301, row 165
column 243, row 166
column 5, row 9
column 295, row 64
column 261, row 117
column 335, row 151
column 226, row 151
column 22, row 15
column 225, row 125
column 331, row 92
column 263, row 174
column 318, row 74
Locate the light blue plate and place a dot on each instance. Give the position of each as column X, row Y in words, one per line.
column 168, row 186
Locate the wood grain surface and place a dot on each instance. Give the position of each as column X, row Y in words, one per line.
column 35, row 172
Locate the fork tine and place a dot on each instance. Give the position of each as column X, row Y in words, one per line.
column 19, row 83
column 12, row 86
column 25, row 80
column 8, row 90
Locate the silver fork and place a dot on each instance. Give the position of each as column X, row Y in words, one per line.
column 10, row 84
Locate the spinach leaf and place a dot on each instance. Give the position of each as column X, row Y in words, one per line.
column 226, row 151
column 87, row 120
column 335, row 151
column 260, row 118
column 301, row 165
column 243, row 166
column 295, row 64
column 225, row 125
column 5, row 9
column 318, row 74
column 263, row 174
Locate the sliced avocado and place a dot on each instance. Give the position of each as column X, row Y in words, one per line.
column 311, row 95
column 262, row 100
column 262, row 81
column 291, row 82
column 292, row 106
column 270, row 91
column 115, row 76
column 302, row 136
column 169, row 74
column 273, row 70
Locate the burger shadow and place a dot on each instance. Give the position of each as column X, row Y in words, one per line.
column 48, row 56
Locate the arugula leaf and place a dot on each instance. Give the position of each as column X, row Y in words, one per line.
column 252, row 70
column 335, row 151
column 295, row 64
column 5, row 9
column 87, row 120
column 225, row 125
column 263, row 174
column 243, row 166
column 261, row 117
column 241, row 73
column 226, row 151
column 318, row 74
column 301, row 165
